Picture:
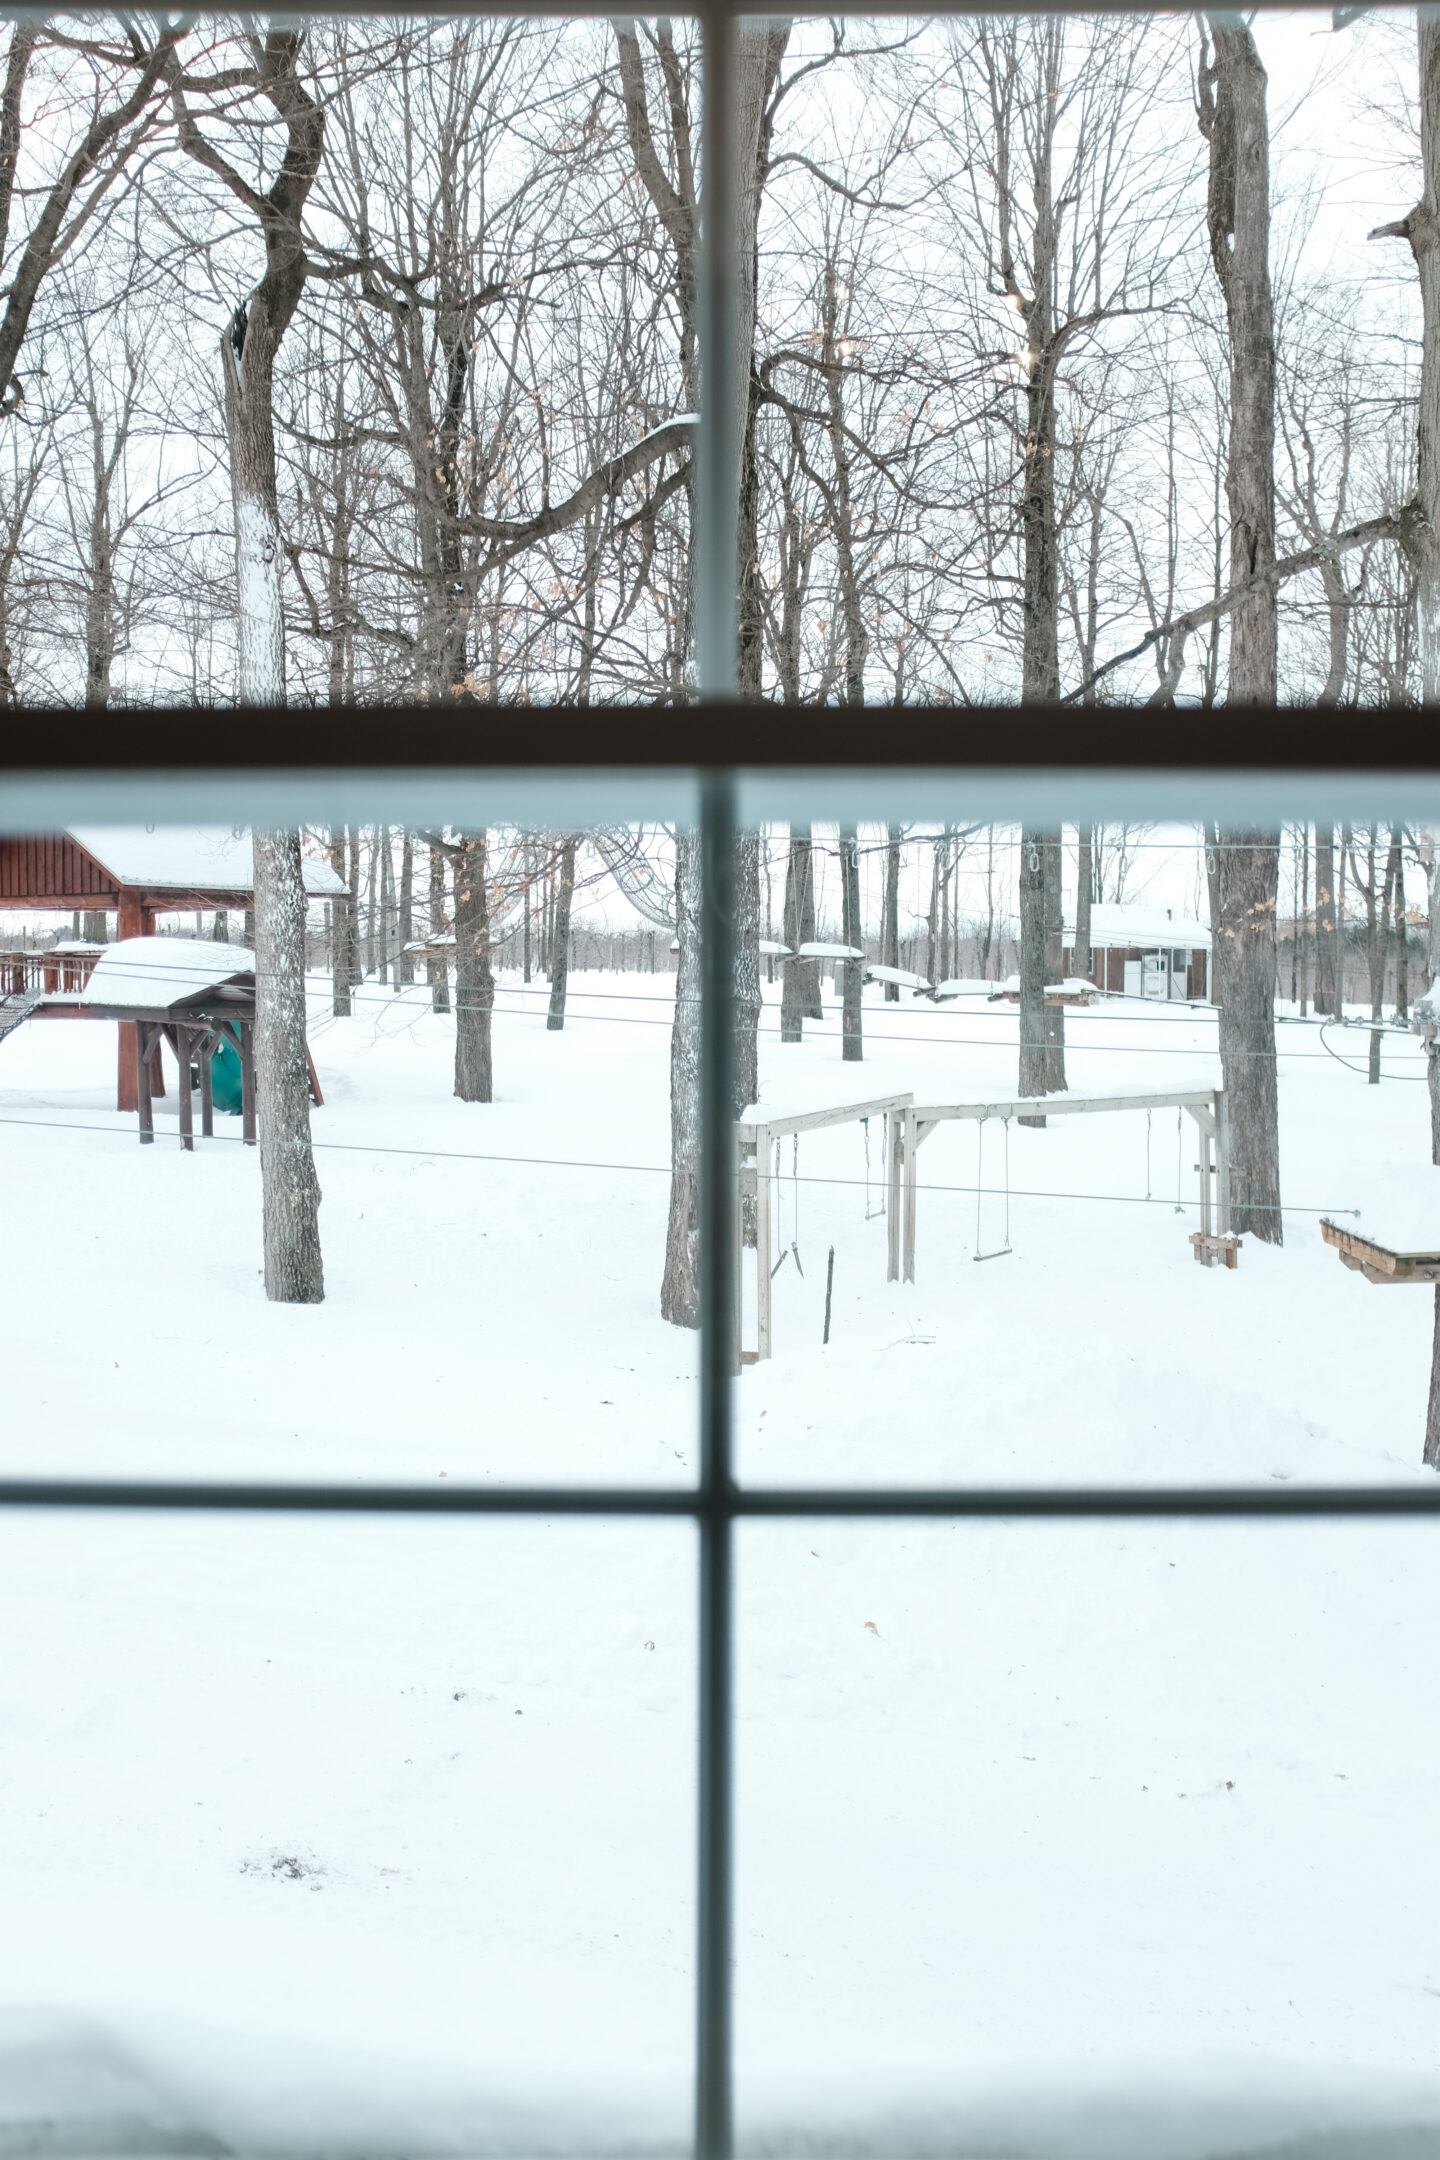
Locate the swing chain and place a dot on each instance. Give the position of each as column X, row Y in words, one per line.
column 1148, row 1115
column 1000, row 1250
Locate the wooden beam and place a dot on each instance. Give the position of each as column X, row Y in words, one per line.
column 1066, row 1105
column 181, row 1041
column 140, row 1037
column 247, row 1082
column 812, row 1120
column 205, row 1046
column 894, row 1173
column 764, row 1303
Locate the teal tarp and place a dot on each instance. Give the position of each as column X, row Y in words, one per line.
column 225, row 1087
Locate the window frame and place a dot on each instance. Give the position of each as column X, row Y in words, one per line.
column 722, row 743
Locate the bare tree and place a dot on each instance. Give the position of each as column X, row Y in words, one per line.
column 1246, row 887
column 294, row 1273
column 560, row 956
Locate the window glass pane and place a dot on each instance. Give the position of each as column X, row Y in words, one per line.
column 993, row 1145
column 345, row 1834
column 1082, row 1838
column 478, row 1290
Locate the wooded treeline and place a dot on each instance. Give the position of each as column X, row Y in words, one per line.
column 989, row 412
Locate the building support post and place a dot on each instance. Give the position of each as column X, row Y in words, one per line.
column 139, row 1035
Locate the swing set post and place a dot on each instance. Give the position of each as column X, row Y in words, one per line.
column 746, row 1181
column 909, row 1142
column 764, row 1185
column 894, row 1173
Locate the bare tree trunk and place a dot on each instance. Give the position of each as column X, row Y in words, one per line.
column 371, row 871
column 933, row 950
column 747, row 973
column 1233, row 119
column 1432, row 1414
column 1327, row 996
column 797, row 999
column 852, row 1046
column 436, row 965
column 1054, row 1015
column 1248, row 876
column 387, row 901
column 474, row 978
column 529, row 904
column 1084, row 888
column 890, row 923
column 294, row 1274
column 340, row 962
column 1304, row 919
column 680, row 1286
column 560, row 966
column 1034, row 1061
column 988, row 941
column 1402, row 929
column 404, row 963
column 1420, row 529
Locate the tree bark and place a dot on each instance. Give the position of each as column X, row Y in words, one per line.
column 1232, row 114
column 474, row 978
column 340, row 956
column 1247, row 875
column 436, row 965
column 1034, row 1055
column 1432, row 1410
column 800, row 987
column 404, row 961
column 1402, row 929
column 890, row 924
column 747, row 972
column 560, row 966
column 680, row 1286
column 852, row 1046
column 1054, row 1015
column 1327, row 1005
column 387, row 903
column 1420, row 535
column 294, row 1274
column 1084, row 891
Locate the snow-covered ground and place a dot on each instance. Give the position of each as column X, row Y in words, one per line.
column 420, row 1793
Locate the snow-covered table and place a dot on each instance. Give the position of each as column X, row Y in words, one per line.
column 1395, row 1236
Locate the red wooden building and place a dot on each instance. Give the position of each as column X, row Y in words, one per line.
column 1142, row 951
column 137, row 872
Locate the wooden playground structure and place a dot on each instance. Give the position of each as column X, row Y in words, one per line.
column 908, row 1125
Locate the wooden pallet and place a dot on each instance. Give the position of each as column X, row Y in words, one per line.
column 1376, row 1262
column 1212, row 1250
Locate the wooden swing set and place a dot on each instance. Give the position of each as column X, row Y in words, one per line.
column 907, row 1125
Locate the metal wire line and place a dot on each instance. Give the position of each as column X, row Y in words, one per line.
column 569, row 1162
column 417, row 1002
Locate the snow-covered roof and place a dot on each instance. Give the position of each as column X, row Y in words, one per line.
column 162, row 970
column 1113, row 923
column 188, row 858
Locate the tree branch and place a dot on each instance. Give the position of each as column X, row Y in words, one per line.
column 1177, row 628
